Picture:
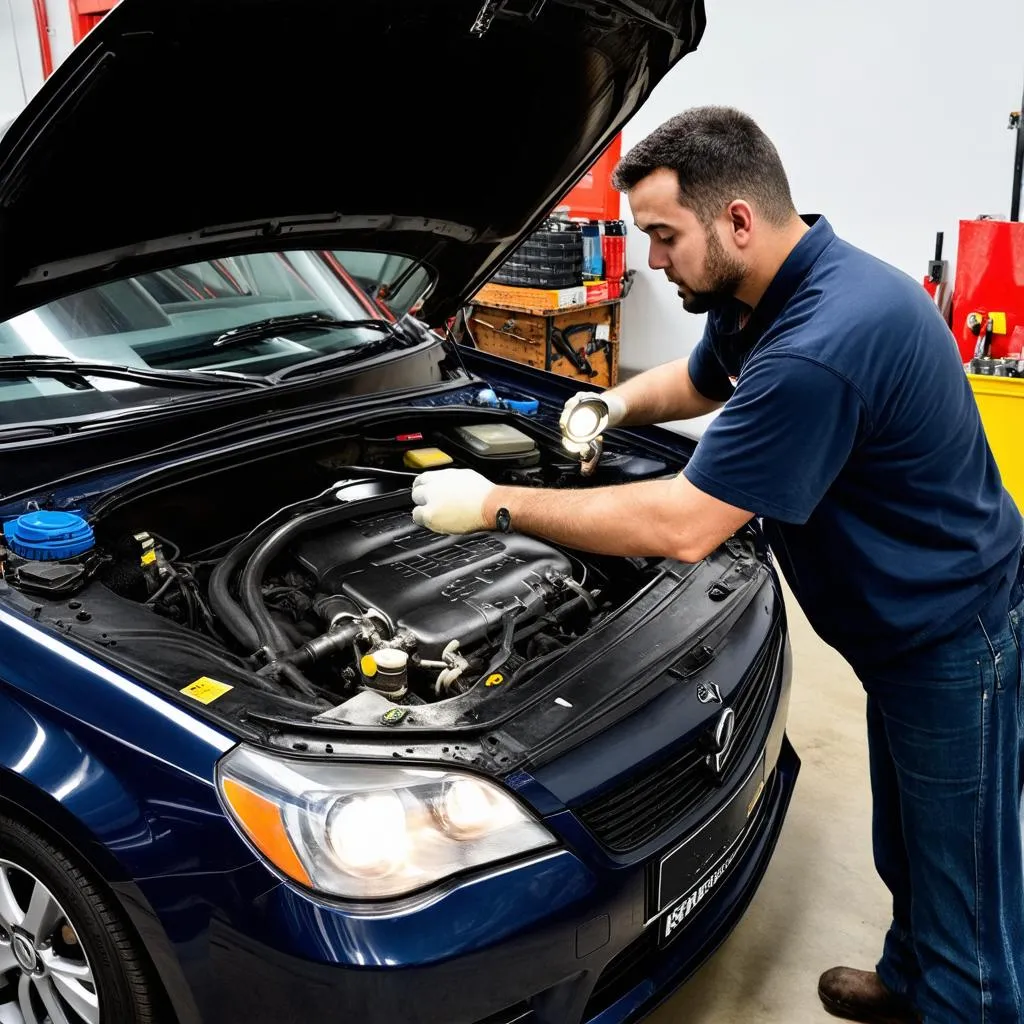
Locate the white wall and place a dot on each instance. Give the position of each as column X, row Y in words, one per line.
column 890, row 117
column 21, row 70
column 21, row 63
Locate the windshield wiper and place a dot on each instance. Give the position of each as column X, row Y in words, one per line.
column 348, row 355
column 299, row 322
column 73, row 371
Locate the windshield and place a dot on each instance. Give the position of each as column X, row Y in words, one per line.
column 172, row 320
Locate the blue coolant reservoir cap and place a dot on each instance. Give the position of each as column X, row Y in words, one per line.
column 49, row 536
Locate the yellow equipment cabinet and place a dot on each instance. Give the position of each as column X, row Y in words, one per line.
column 1001, row 403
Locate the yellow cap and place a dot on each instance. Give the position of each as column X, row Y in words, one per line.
column 368, row 664
column 426, row 458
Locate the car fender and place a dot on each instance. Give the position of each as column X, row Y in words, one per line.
column 67, row 816
column 108, row 769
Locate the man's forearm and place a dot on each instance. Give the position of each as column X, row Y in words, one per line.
column 660, row 518
column 667, row 518
column 661, row 394
column 602, row 520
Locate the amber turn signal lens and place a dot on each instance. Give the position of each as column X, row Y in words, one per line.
column 262, row 822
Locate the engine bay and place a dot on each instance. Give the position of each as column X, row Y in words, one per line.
column 304, row 573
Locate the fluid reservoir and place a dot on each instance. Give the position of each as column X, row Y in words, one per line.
column 49, row 536
column 385, row 670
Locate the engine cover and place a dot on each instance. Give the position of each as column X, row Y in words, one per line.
column 438, row 587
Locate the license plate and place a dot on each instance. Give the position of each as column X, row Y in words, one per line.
column 688, row 874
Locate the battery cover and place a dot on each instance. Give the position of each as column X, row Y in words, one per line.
column 496, row 439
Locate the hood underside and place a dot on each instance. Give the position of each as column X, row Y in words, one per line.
column 441, row 130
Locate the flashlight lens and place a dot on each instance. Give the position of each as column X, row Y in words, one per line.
column 583, row 422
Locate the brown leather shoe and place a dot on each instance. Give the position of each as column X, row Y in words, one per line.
column 859, row 995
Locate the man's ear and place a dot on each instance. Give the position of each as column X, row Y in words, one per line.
column 741, row 222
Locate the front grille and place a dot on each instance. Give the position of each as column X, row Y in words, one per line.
column 646, row 805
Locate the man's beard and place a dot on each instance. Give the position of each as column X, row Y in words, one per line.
column 722, row 274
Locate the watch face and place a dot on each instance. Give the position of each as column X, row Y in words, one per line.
column 503, row 520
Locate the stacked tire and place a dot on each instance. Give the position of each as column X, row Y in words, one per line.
column 552, row 257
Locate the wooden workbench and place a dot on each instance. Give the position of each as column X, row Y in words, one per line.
column 530, row 336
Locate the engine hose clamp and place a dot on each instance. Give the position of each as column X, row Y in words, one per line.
column 375, row 613
column 265, row 654
column 340, row 617
column 588, row 598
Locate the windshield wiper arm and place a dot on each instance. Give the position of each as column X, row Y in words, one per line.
column 335, row 359
column 299, row 322
column 64, row 367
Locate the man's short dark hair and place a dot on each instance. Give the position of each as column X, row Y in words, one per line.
column 719, row 154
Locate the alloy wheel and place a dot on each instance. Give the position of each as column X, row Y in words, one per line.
column 45, row 975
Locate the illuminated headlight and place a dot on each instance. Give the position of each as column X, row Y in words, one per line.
column 367, row 832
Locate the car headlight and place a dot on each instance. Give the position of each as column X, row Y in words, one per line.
column 367, row 832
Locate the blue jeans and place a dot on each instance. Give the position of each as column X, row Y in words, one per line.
column 946, row 742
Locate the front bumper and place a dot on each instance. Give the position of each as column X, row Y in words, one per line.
column 540, row 942
column 572, row 935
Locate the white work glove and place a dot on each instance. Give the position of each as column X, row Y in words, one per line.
column 451, row 500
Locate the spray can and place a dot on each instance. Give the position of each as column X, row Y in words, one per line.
column 614, row 251
column 593, row 260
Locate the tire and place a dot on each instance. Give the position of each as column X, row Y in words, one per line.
column 74, row 928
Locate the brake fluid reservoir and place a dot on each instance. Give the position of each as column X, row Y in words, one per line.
column 386, row 671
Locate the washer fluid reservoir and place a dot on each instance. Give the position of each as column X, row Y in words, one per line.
column 49, row 536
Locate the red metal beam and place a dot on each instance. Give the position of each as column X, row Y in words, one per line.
column 43, row 32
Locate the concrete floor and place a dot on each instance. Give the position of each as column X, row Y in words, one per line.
column 820, row 903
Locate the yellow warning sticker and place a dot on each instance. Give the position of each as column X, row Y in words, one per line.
column 206, row 690
column 998, row 323
column 496, row 680
column 149, row 557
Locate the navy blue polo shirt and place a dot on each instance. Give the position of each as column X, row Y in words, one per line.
column 851, row 428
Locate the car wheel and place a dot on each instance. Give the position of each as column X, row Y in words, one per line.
column 66, row 956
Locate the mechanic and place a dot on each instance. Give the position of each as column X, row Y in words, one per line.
column 848, row 426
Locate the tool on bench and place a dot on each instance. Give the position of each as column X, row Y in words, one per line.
column 561, row 342
column 579, row 355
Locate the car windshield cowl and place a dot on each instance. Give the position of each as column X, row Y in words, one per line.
column 64, row 367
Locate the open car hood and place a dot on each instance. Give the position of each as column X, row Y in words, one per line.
column 442, row 130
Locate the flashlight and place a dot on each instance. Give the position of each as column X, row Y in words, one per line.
column 581, row 425
column 584, row 422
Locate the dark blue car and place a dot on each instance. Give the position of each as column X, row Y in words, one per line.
column 269, row 752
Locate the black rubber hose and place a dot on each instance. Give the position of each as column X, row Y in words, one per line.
column 557, row 616
column 297, row 679
column 534, row 666
column 226, row 609
column 294, row 636
column 504, row 651
column 224, row 605
column 328, row 643
column 268, row 633
column 329, row 606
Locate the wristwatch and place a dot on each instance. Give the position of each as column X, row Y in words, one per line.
column 503, row 520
